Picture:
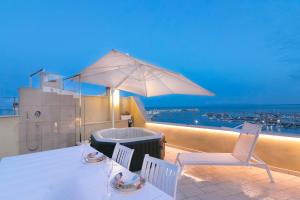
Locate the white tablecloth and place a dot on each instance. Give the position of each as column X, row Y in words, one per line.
column 61, row 175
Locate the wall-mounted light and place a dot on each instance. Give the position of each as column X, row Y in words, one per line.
column 77, row 119
column 116, row 96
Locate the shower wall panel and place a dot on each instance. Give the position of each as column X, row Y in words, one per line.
column 48, row 120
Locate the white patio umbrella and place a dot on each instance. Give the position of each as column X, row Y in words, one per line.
column 123, row 72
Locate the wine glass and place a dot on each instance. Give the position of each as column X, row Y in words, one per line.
column 108, row 169
column 83, row 149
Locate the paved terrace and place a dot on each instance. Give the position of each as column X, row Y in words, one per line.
column 233, row 183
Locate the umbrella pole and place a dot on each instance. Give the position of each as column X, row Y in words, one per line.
column 80, row 135
column 112, row 107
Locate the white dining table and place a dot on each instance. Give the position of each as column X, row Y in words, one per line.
column 61, row 175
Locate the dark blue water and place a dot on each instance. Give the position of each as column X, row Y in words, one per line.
column 283, row 119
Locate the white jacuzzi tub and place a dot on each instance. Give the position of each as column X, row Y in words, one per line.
column 143, row 141
column 123, row 135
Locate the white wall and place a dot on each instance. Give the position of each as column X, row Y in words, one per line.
column 55, row 127
column 16, row 136
column 9, row 135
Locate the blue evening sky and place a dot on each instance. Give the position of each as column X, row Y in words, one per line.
column 247, row 52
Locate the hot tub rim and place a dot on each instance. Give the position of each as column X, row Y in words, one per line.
column 98, row 137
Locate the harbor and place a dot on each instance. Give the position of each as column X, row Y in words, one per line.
column 283, row 119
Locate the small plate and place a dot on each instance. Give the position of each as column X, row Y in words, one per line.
column 116, row 184
column 94, row 157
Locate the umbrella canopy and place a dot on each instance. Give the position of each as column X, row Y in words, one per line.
column 121, row 71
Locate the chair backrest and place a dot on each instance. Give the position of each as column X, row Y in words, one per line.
column 122, row 155
column 246, row 142
column 161, row 174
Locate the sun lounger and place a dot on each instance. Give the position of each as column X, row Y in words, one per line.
column 242, row 155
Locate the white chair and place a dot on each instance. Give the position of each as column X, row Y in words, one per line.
column 242, row 155
column 161, row 174
column 122, row 155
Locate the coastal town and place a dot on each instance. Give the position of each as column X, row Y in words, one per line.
column 270, row 120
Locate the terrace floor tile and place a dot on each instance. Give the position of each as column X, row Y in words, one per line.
column 233, row 183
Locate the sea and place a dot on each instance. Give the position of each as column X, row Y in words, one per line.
column 276, row 119
column 5, row 112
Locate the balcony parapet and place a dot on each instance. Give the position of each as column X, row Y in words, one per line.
column 280, row 152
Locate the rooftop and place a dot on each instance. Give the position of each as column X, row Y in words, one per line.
column 60, row 126
column 233, row 183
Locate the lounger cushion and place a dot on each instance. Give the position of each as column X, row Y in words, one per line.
column 208, row 159
column 246, row 142
column 244, row 147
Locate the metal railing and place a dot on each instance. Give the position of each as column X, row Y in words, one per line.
column 9, row 106
column 33, row 74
